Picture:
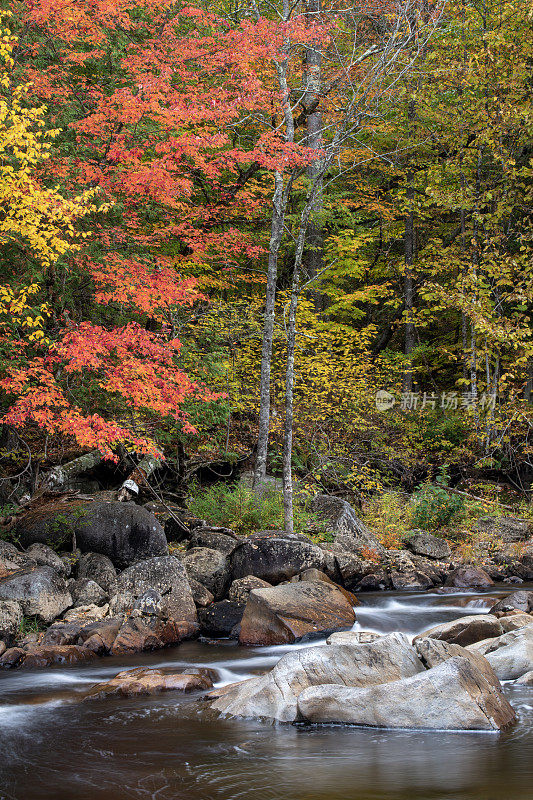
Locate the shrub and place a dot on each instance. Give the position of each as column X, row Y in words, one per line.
column 238, row 507
column 434, row 507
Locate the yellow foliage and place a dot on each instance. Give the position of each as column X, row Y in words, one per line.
column 32, row 216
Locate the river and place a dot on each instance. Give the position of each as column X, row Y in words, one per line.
column 52, row 747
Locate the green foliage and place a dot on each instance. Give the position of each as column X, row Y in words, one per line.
column 434, row 507
column 28, row 625
column 238, row 507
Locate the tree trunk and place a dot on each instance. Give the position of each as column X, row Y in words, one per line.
column 314, row 257
column 409, row 283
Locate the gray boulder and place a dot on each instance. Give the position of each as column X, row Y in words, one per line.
column 465, row 630
column 521, row 601
column 240, row 589
column 468, row 578
column 209, row 537
column 209, row 567
column 511, row 655
column 220, row 619
column 274, row 556
column 41, row 592
column 167, row 576
column 100, row 569
column 44, row 556
column 10, row 620
column 433, row 652
column 124, row 532
column 86, row 592
column 201, row 594
column 294, row 612
column 425, row 544
column 275, row 695
column 353, row 637
column 508, row 529
column 454, row 695
column 12, row 559
column 339, row 518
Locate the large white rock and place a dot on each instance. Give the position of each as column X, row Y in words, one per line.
column 511, row 655
column 275, row 694
column 454, row 695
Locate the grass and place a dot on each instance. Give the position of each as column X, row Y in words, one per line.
column 238, row 507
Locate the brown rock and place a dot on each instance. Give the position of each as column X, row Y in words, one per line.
column 140, row 681
column 241, row 587
column 290, row 613
column 465, row 630
column 468, row 578
column 41, row 656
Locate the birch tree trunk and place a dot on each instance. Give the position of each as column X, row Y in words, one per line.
column 279, row 202
column 59, row 476
column 314, row 257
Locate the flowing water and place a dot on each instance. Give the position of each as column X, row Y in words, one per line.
column 52, row 747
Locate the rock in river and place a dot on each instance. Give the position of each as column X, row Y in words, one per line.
column 454, row 695
column 275, row 695
column 294, row 611
column 275, row 556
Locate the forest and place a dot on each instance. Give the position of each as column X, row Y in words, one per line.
column 289, row 235
column 266, row 399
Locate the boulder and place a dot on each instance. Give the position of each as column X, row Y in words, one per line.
column 433, row 652
column 521, row 601
column 99, row 636
column 454, row 695
column 3, row 647
column 318, row 575
column 351, row 568
column 41, row 592
column 100, row 569
column 294, row 612
column 10, row 620
column 511, row 655
column 512, row 622
column 86, row 592
column 11, row 559
column 124, row 532
column 135, row 635
column 220, row 619
column 141, row 681
column 468, row 578
column 39, row 656
column 412, row 581
column 166, row 575
column 425, row 544
column 339, row 518
column 208, row 537
column 44, row 556
column 465, row 630
column 241, row 587
column 61, row 633
column 373, row 582
column 526, row 680
column 274, row 556
column 209, row 567
column 508, row 529
column 86, row 613
column 201, row 594
column 275, row 695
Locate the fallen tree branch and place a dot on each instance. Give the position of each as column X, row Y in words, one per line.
column 62, row 474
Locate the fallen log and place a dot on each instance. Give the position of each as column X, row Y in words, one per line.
column 132, row 485
column 58, row 476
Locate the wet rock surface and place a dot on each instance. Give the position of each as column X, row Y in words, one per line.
column 292, row 612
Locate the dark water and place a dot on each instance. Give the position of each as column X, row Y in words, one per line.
column 53, row 747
